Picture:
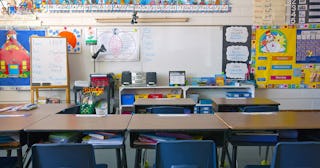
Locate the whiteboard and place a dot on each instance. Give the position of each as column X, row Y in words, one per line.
column 194, row 49
column 49, row 63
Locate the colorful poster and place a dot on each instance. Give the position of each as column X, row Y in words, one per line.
column 236, row 51
column 275, row 60
column 15, row 56
column 73, row 36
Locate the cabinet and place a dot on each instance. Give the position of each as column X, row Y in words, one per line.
column 203, row 92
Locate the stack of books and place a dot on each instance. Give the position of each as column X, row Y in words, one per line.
column 103, row 138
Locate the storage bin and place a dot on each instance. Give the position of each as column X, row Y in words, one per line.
column 127, row 99
column 194, row 97
column 173, row 95
column 141, row 96
column 155, row 96
column 205, row 101
column 238, row 94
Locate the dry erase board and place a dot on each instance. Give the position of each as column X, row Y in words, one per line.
column 49, row 61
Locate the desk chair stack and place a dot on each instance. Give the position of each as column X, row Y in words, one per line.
column 186, row 154
column 294, row 154
column 69, row 155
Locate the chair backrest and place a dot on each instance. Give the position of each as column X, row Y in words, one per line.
column 69, row 155
column 186, row 154
column 260, row 109
column 71, row 110
column 296, row 155
column 166, row 110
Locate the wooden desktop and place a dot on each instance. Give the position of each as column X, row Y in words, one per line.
column 14, row 122
column 82, row 123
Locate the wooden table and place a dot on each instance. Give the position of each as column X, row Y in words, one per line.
column 207, row 125
column 233, row 105
column 269, row 121
column 14, row 122
column 142, row 104
column 81, row 123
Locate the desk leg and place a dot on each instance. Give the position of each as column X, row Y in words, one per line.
column 32, row 95
column 118, row 158
column 234, row 156
column 124, row 157
column 223, row 154
column 137, row 163
column 19, row 154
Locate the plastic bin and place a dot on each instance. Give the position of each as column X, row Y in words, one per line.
column 127, row 99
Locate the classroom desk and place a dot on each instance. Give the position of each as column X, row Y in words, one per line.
column 233, row 105
column 207, row 125
column 141, row 104
column 270, row 121
column 14, row 122
column 80, row 123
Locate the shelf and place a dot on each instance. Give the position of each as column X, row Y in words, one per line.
column 207, row 92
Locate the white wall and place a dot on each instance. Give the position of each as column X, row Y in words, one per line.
column 201, row 31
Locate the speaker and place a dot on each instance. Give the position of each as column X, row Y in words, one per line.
column 126, row 78
column 151, row 78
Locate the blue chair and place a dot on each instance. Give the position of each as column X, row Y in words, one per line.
column 69, row 155
column 294, row 154
column 186, row 154
column 166, row 110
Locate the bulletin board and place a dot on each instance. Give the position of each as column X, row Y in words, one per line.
column 49, row 64
column 278, row 62
column 236, row 51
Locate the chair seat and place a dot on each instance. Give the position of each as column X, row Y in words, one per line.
column 8, row 162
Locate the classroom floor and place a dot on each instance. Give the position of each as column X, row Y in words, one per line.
column 246, row 155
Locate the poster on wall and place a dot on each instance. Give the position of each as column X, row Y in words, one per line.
column 304, row 11
column 236, row 51
column 276, row 60
column 269, row 12
column 15, row 57
column 72, row 34
column 122, row 44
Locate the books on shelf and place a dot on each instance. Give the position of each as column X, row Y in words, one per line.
column 103, row 135
column 118, row 140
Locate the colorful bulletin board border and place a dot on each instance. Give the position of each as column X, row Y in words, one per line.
column 276, row 61
column 103, row 6
column 72, row 34
column 15, row 56
column 236, row 52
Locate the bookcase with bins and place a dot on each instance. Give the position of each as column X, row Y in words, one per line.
column 127, row 94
